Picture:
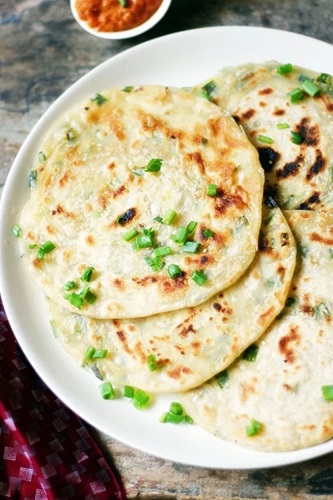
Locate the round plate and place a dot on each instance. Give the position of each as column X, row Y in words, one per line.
column 180, row 59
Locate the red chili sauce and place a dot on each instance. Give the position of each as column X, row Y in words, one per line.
column 111, row 15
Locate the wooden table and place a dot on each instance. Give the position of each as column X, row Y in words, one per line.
column 42, row 52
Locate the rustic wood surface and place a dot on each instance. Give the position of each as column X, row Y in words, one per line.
column 42, row 52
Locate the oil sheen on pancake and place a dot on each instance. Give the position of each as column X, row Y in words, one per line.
column 152, row 189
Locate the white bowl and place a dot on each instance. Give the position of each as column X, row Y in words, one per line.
column 118, row 35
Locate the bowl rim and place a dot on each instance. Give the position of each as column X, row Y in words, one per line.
column 129, row 33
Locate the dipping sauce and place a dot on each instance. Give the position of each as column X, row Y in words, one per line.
column 116, row 15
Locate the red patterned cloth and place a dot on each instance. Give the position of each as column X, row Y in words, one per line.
column 46, row 451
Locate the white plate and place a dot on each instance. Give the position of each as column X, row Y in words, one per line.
column 179, row 59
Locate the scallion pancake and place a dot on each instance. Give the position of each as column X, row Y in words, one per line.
column 189, row 345
column 127, row 172
column 292, row 129
column 278, row 395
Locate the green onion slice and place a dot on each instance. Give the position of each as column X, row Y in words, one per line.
column 296, row 95
column 44, row 249
column 41, row 157
column 310, row 87
column 180, row 235
column 285, row 68
column 87, row 275
column 140, row 399
column 281, row 126
column 128, row 88
column 208, row 233
column 265, row 139
column 17, row 230
column 99, row 99
column 100, row 354
column 130, row 234
column 107, row 391
column 88, row 295
column 296, row 138
column 327, row 392
column 176, row 408
column 324, row 78
column 191, row 247
column 89, row 353
column 143, row 241
column 212, row 190
column 154, row 165
column 70, row 285
column 75, row 299
column 169, row 217
column 128, row 391
column 199, row 277
column 174, row 271
column 152, row 362
column 162, row 251
column 191, row 226
column 250, row 354
column 222, row 378
column 155, row 263
column 253, row 428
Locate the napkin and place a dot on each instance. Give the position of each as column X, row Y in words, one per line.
column 46, row 451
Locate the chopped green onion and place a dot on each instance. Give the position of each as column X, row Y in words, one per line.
column 128, row 391
column 176, row 409
column 222, row 378
column 71, row 135
column 296, row 138
column 158, row 219
column 212, row 190
column 152, row 362
column 32, row 246
column 174, row 271
column 169, row 217
column 208, row 89
column 191, row 247
column 324, row 78
column 106, row 390
column 100, row 354
column 143, row 241
column 296, row 95
column 208, row 233
column 189, row 419
column 285, row 68
column 310, row 87
column 148, row 231
column 191, row 226
column 75, row 299
column 180, row 235
column 253, row 428
column 99, row 99
column 250, row 354
column 154, row 165
column 41, row 157
column 17, row 230
column 128, row 88
column 70, row 285
column 327, row 392
column 164, row 417
column 156, row 264
column 87, row 275
column 199, row 277
column 265, row 139
column 140, row 399
column 162, row 251
column 282, row 126
column 129, row 235
column 174, row 419
column 44, row 249
column 32, row 178
column 89, row 353
column 87, row 295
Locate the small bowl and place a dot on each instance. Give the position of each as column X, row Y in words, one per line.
column 119, row 35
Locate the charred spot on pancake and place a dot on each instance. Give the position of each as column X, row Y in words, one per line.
column 217, row 306
column 286, row 345
column 118, row 192
column 196, row 158
column 317, row 167
column 171, row 285
column 265, row 91
column 119, row 283
column 90, row 240
column 268, row 158
column 264, row 244
column 247, row 115
column 177, row 372
column 309, row 133
column 126, row 216
column 224, row 201
column 308, row 204
column 147, row 280
column 186, row 330
column 279, row 112
column 320, row 239
column 236, row 118
column 284, row 239
column 289, row 169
